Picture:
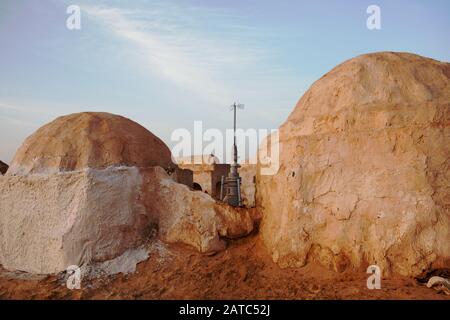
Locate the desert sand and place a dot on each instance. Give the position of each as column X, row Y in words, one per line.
column 243, row 271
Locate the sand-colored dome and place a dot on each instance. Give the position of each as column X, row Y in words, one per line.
column 89, row 140
column 364, row 169
column 370, row 80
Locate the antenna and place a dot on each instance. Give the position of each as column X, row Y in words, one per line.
column 233, row 107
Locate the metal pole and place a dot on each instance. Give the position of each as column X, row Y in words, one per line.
column 234, row 132
column 232, row 181
column 222, row 182
column 239, row 192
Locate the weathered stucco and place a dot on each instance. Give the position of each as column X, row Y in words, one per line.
column 364, row 172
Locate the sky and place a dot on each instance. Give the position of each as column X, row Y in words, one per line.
column 166, row 63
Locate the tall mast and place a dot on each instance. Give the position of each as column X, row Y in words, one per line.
column 232, row 183
column 234, row 135
column 234, row 107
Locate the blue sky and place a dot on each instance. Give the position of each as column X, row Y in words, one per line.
column 168, row 63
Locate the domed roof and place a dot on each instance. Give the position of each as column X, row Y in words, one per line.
column 89, row 140
column 364, row 83
column 366, row 146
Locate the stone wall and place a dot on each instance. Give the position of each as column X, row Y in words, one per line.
column 49, row 222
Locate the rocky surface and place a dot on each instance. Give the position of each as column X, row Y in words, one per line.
column 49, row 222
column 89, row 140
column 364, row 172
column 109, row 199
column 191, row 217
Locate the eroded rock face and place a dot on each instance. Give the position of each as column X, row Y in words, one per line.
column 92, row 189
column 67, row 197
column 89, row 140
column 364, row 172
column 49, row 222
column 191, row 217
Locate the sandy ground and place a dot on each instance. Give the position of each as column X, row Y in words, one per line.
column 243, row 271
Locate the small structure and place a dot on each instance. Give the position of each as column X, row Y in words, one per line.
column 3, row 167
column 206, row 172
column 221, row 181
column 183, row 176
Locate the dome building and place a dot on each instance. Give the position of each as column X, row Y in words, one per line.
column 364, row 169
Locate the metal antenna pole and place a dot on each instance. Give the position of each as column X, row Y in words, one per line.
column 234, row 136
column 234, row 127
column 232, row 181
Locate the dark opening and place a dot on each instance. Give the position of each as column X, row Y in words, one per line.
column 196, row 186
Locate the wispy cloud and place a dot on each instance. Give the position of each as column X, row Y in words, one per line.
column 174, row 47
